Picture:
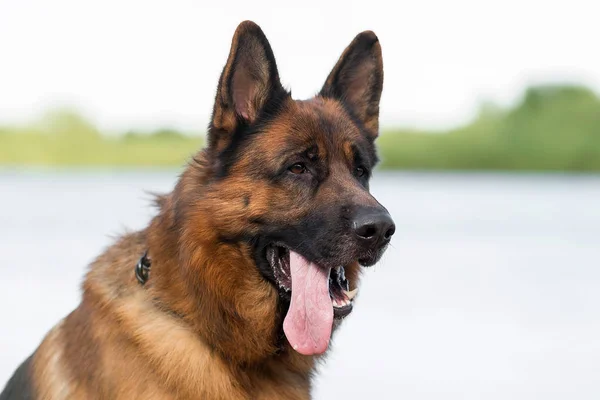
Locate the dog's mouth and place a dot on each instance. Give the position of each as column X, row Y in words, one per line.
column 341, row 296
column 317, row 296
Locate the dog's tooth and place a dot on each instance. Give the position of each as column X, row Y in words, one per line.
column 351, row 294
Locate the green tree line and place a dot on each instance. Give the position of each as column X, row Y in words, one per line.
column 552, row 128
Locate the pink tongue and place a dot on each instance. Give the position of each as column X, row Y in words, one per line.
column 308, row 322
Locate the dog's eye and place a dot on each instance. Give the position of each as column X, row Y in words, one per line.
column 298, row 168
column 360, row 171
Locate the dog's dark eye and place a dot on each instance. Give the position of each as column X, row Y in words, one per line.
column 360, row 171
column 298, row 168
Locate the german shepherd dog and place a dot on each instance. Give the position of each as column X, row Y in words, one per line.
column 251, row 261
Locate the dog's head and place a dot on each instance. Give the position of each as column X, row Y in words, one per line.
column 291, row 178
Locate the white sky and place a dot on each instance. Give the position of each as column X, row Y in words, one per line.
column 147, row 64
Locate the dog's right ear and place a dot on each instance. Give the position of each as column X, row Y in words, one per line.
column 248, row 82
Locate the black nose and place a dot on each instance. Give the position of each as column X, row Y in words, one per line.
column 374, row 226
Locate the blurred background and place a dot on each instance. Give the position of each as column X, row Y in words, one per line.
column 490, row 150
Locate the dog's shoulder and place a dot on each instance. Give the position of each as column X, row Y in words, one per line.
column 20, row 385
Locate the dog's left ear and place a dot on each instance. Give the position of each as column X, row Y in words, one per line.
column 357, row 80
column 248, row 82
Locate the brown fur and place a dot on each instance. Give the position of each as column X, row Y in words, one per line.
column 207, row 323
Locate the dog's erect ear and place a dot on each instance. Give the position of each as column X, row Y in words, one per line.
column 248, row 82
column 357, row 80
